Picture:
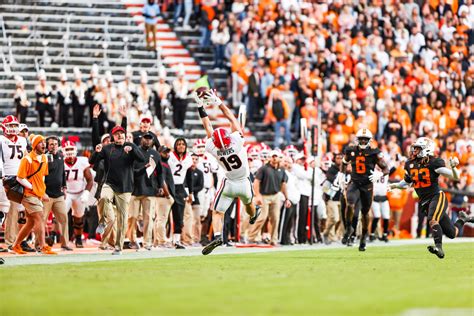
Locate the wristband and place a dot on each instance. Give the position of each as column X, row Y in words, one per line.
column 202, row 112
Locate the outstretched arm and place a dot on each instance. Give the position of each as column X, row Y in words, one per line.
column 213, row 99
column 402, row 185
column 206, row 122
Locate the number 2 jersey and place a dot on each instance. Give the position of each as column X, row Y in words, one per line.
column 179, row 166
column 233, row 159
column 362, row 162
column 75, row 180
column 12, row 152
column 423, row 176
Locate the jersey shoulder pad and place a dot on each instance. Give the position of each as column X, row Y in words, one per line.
column 437, row 163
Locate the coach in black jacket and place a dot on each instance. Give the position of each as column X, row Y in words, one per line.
column 194, row 182
column 118, row 160
column 144, row 193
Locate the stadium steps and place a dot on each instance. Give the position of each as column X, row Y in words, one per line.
column 87, row 38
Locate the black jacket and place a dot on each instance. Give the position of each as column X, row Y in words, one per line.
column 194, row 181
column 331, row 175
column 142, row 184
column 55, row 180
column 137, row 137
column 118, row 165
column 168, row 178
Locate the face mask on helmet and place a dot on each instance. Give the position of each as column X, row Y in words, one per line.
column 363, row 142
column 10, row 125
column 70, row 151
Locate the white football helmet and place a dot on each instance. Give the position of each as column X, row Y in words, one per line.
column 363, row 138
column 199, row 147
column 70, row 150
column 426, row 145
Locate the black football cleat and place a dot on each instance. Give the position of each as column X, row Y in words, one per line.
column 2, row 261
column 347, row 236
column 372, row 238
column 79, row 242
column 25, row 247
column 438, row 251
column 465, row 218
column 362, row 243
column 253, row 219
column 385, row 238
column 212, row 245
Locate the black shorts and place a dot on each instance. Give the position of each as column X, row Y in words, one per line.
column 436, row 206
column 363, row 192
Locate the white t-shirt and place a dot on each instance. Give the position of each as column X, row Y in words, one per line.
column 75, row 180
column 12, row 152
column 208, row 165
column 179, row 167
column 233, row 160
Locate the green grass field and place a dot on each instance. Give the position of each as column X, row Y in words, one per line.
column 382, row 281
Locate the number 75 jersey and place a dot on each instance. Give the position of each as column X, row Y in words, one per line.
column 233, row 159
column 424, row 177
column 12, row 152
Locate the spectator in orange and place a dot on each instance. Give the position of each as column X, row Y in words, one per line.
column 31, row 172
column 338, row 138
column 278, row 114
column 468, row 154
column 309, row 112
column 422, row 110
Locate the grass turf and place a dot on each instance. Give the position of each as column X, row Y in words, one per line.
column 381, row 281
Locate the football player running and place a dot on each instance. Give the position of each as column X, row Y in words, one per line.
column 79, row 182
column 422, row 171
column 229, row 151
column 363, row 160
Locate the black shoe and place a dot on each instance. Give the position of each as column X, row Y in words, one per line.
column 3, row 250
column 25, row 247
column 437, row 250
column 346, row 237
column 385, row 238
column 351, row 240
column 178, row 245
column 66, row 248
column 253, row 219
column 213, row 245
column 372, row 237
column 362, row 243
column 2, row 261
column 465, row 218
column 79, row 242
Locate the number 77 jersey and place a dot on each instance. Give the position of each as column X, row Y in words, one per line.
column 232, row 159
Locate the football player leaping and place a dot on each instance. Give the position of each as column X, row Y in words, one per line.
column 363, row 159
column 228, row 148
column 422, row 171
column 79, row 182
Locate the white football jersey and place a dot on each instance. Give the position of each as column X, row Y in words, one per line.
column 179, row 167
column 233, row 160
column 12, row 152
column 75, row 180
column 208, row 165
column 381, row 186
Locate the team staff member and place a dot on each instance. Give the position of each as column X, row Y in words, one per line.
column 192, row 216
column 145, row 128
column 55, row 186
column 165, row 198
column 33, row 168
column 304, row 178
column 333, row 197
column 179, row 163
column 269, row 181
column 145, row 189
column 289, row 213
column 118, row 165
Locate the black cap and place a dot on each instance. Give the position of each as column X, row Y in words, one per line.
column 163, row 149
column 147, row 134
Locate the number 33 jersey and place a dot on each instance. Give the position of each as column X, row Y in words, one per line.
column 12, row 152
column 423, row 176
column 233, row 159
column 75, row 181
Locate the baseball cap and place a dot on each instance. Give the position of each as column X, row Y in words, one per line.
column 104, row 137
column 147, row 135
column 299, row 156
column 117, row 128
column 275, row 153
column 163, row 149
column 146, row 119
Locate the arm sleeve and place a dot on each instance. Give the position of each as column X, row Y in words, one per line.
column 23, row 169
column 438, row 163
column 137, row 154
column 124, row 123
column 285, row 178
column 96, row 157
column 407, row 177
column 95, row 132
column 159, row 172
column 260, row 173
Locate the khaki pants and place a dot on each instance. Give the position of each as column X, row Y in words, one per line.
column 188, row 221
column 271, row 209
column 196, row 223
column 58, row 206
column 150, row 29
column 333, row 209
column 107, row 217
column 122, row 201
column 163, row 208
column 11, row 223
column 145, row 204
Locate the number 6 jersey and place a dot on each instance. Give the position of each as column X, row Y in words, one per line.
column 12, row 152
column 75, row 180
column 233, row 159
